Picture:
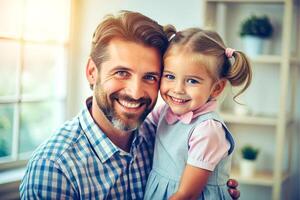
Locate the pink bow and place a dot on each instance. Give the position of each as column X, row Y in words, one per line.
column 171, row 118
column 229, row 52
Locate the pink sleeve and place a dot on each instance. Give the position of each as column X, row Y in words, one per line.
column 155, row 114
column 149, row 126
column 207, row 145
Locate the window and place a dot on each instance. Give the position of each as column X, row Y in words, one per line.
column 34, row 42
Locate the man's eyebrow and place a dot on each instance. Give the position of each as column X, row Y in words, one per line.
column 154, row 73
column 120, row 67
column 123, row 68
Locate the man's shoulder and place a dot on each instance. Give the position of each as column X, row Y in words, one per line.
column 61, row 142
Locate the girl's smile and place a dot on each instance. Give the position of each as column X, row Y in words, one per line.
column 178, row 99
column 186, row 84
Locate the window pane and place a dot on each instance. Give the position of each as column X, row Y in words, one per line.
column 44, row 71
column 6, row 129
column 47, row 20
column 38, row 122
column 9, row 60
column 10, row 18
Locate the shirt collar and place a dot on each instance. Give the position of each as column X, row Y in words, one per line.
column 186, row 118
column 102, row 145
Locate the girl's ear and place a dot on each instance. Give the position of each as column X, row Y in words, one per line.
column 91, row 72
column 218, row 88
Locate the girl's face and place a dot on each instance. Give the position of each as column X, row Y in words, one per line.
column 186, row 85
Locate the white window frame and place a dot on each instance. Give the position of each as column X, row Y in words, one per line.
column 16, row 159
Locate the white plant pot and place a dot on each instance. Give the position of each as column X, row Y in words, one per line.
column 247, row 167
column 241, row 109
column 253, row 46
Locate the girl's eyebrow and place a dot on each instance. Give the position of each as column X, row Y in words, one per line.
column 166, row 71
column 195, row 77
column 188, row 76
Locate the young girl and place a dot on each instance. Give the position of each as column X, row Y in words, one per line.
column 193, row 146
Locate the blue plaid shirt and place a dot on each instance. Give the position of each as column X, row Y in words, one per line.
column 80, row 162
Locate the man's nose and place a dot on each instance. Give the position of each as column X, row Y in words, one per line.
column 135, row 89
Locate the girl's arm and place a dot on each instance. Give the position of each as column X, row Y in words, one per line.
column 192, row 183
column 207, row 146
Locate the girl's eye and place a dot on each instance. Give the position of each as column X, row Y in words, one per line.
column 169, row 76
column 192, row 81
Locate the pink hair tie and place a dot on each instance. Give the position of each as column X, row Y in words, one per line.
column 229, row 52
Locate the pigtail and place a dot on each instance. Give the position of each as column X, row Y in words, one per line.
column 240, row 72
column 170, row 31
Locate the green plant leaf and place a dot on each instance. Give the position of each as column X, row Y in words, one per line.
column 257, row 26
column 249, row 153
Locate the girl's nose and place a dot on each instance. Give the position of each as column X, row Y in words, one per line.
column 179, row 87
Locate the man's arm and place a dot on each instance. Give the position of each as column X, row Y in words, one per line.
column 43, row 180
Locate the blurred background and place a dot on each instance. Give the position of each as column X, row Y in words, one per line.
column 44, row 47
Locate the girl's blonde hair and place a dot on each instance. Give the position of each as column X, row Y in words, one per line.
column 201, row 43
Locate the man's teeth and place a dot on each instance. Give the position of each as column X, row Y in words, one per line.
column 129, row 104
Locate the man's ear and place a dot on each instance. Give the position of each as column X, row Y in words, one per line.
column 218, row 88
column 91, row 72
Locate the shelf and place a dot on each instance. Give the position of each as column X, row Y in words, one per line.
column 246, row 1
column 273, row 59
column 229, row 117
column 295, row 61
column 267, row 59
column 263, row 178
column 284, row 13
column 245, row 119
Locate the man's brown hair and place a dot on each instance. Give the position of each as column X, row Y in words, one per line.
column 130, row 26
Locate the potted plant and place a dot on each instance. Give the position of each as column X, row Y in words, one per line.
column 254, row 31
column 247, row 164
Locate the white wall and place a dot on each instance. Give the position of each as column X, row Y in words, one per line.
column 182, row 14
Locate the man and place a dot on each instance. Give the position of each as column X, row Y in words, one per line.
column 101, row 154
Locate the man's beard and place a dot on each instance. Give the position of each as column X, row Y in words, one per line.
column 105, row 103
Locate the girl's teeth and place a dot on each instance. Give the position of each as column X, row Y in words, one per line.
column 178, row 100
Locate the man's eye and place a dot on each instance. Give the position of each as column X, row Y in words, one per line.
column 169, row 76
column 192, row 81
column 150, row 78
column 122, row 73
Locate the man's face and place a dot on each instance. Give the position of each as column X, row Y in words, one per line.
column 127, row 84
